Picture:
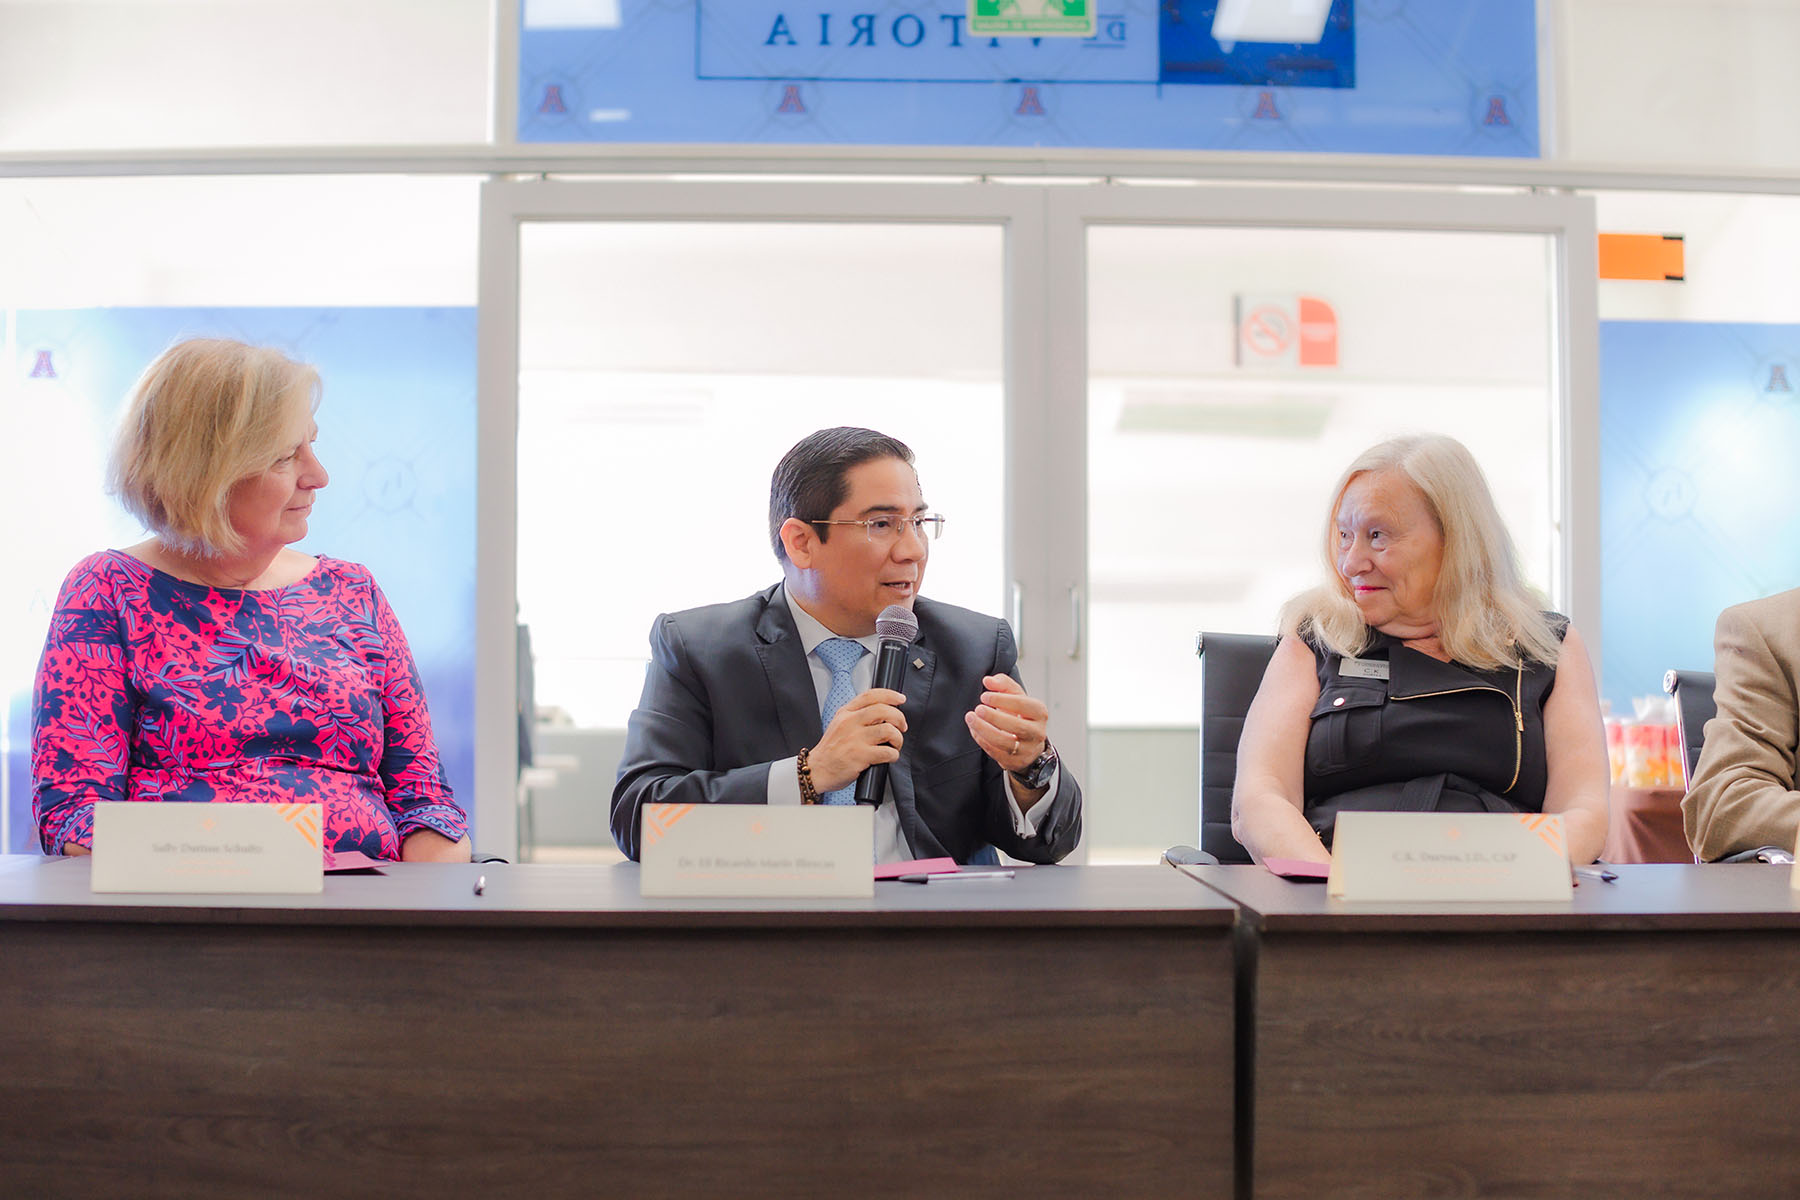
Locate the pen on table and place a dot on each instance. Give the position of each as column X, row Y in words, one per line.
column 1600, row 873
column 947, row 876
column 480, row 884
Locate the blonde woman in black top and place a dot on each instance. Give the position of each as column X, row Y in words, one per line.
column 1422, row 675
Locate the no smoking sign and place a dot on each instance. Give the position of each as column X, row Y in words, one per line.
column 1285, row 331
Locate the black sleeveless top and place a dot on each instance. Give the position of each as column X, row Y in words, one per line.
column 1431, row 736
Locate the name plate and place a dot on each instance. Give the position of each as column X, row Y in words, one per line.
column 1449, row 856
column 208, row 848
column 748, row 851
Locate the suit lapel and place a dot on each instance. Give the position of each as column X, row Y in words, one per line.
column 784, row 666
column 921, row 670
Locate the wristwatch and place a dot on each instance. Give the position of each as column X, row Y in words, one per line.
column 1039, row 771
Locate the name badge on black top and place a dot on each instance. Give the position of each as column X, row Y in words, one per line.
column 1362, row 668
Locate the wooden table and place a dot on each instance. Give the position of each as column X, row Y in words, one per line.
column 1639, row 1041
column 1068, row 1033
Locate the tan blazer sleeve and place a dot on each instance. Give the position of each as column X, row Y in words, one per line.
column 1743, row 791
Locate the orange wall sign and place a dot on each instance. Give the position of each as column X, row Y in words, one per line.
column 1658, row 256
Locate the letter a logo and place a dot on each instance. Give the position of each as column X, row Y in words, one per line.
column 1029, row 104
column 1778, row 380
column 1265, row 108
column 1496, row 112
column 553, row 102
column 790, row 100
column 43, row 368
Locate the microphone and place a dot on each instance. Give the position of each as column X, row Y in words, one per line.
column 896, row 627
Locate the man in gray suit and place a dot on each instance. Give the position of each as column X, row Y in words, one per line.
column 767, row 700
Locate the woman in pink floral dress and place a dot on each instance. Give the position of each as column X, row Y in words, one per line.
column 215, row 662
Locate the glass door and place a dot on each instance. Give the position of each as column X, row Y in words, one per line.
column 1238, row 351
column 673, row 341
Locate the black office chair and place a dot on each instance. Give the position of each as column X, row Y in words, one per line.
column 1231, row 669
column 1694, row 707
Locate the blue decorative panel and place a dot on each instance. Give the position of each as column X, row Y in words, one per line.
column 1699, row 496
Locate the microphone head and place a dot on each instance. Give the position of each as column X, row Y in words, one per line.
column 896, row 623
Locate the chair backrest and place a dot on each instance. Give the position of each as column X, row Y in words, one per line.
column 1231, row 669
column 1694, row 707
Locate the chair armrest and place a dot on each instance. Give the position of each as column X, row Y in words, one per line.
column 1762, row 854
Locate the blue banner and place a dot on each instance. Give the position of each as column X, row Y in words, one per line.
column 1455, row 77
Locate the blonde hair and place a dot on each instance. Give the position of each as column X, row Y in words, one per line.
column 1488, row 617
column 205, row 415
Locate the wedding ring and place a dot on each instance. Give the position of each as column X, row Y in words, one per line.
column 1015, row 743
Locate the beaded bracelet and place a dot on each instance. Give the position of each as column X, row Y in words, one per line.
column 808, row 793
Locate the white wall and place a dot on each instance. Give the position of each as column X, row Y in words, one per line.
column 118, row 74
column 239, row 240
column 1742, row 254
column 1681, row 84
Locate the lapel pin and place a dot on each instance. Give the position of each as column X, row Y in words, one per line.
column 918, row 664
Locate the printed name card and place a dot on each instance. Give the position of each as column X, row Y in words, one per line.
column 1388, row 856
column 177, row 848
column 753, row 851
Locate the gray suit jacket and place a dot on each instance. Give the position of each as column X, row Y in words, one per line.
column 1744, row 791
column 728, row 691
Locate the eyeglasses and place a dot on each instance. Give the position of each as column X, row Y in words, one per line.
column 885, row 530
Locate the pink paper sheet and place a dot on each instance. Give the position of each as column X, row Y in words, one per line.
column 349, row 860
column 1297, row 868
column 918, row 866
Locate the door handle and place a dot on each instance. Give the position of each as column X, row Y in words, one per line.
column 1074, row 621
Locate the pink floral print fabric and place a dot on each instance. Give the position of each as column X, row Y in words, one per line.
column 152, row 688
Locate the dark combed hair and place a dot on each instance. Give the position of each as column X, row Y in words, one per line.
column 809, row 481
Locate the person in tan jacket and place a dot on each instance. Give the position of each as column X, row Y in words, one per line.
column 1744, row 792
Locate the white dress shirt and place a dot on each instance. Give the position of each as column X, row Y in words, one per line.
column 784, row 776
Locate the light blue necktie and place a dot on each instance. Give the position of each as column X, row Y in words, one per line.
column 840, row 656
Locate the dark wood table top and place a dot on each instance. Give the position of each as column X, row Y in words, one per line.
column 1649, row 896
column 33, row 888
